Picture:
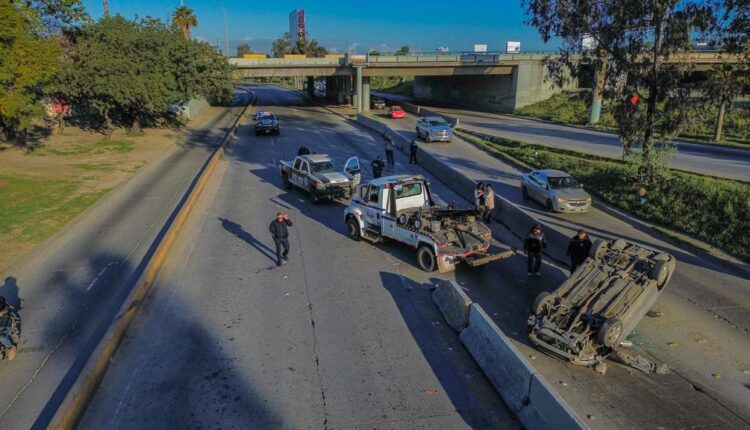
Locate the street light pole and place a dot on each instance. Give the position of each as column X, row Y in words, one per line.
column 226, row 27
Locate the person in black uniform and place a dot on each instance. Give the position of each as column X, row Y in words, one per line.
column 377, row 167
column 578, row 249
column 413, row 152
column 303, row 150
column 280, row 234
column 534, row 244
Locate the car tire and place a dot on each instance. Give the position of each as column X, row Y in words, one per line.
column 611, row 333
column 352, row 229
column 548, row 205
column 524, row 193
column 285, row 181
column 660, row 273
column 426, row 258
column 314, row 197
column 598, row 248
column 543, row 302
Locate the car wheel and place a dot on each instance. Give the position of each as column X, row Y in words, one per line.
column 610, row 333
column 598, row 248
column 352, row 228
column 549, row 206
column 524, row 193
column 426, row 258
column 427, row 138
column 542, row 303
column 660, row 273
column 285, row 180
column 315, row 198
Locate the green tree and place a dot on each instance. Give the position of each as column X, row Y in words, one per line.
column 403, row 50
column 28, row 63
column 725, row 82
column 184, row 19
column 282, row 46
column 131, row 72
column 635, row 38
column 374, row 53
column 51, row 16
column 309, row 48
column 242, row 49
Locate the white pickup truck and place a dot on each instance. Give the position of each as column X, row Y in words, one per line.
column 401, row 208
column 317, row 174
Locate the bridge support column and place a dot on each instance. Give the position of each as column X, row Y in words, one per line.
column 358, row 99
column 366, row 94
column 340, row 86
column 597, row 94
column 311, row 86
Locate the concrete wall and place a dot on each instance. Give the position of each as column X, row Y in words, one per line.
column 493, row 93
column 193, row 107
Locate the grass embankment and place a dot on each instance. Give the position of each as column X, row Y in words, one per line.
column 393, row 84
column 715, row 211
column 42, row 191
column 572, row 108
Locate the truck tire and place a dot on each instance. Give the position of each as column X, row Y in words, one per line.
column 542, row 303
column 611, row 333
column 285, row 180
column 426, row 258
column 352, row 229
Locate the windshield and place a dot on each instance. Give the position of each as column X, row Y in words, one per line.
column 265, row 116
column 395, row 107
column 562, row 182
column 437, row 122
column 323, row 167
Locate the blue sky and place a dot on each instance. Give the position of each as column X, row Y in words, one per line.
column 341, row 25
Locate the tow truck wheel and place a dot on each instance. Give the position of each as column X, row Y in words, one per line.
column 285, row 180
column 542, row 303
column 426, row 258
column 352, row 228
column 610, row 333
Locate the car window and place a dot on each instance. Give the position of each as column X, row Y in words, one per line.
column 263, row 116
column 373, row 195
column 297, row 164
column 436, row 122
column 408, row 190
column 561, row 182
column 395, row 107
column 323, row 167
column 304, row 167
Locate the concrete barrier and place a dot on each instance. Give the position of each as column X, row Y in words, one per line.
column 546, row 409
column 420, row 110
column 453, row 303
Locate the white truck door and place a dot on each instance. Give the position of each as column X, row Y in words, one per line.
column 372, row 209
column 352, row 167
column 296, row 178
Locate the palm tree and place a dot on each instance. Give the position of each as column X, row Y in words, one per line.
column 183, row 18
column 105, row 5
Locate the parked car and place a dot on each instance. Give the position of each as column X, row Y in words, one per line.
column 594, row 310
column 397, row 112
column 377, row 103
column 556, row 190
column 266, row 123
column 434, row 129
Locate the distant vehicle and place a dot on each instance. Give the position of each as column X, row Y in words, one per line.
column 592, row 312
column 434, row 129
column 266, row 123
column 377, row 103
column 401, row 208
column 556, row 190
column 317, row 174
column 397, row 112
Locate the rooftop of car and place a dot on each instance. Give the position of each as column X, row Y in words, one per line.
column 316, row 158
column 395, row 179
column 551, row 173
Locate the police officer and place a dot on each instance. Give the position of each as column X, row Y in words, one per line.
column 533, row 245
column 303, row 150
column 377, row 167
column 280, row 234
column 389, row 152
column 413, row 152
column 578, row 249
column 9, row 330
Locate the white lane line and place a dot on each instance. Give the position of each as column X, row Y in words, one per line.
column 101, row 272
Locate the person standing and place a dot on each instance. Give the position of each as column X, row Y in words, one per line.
column 489, row 203
column 9, row 331
column 578, row 249
column 377, row 167
column 280, row 236
column 413, row 152
column 389, row 152
column 533, row 245
column 479, row 198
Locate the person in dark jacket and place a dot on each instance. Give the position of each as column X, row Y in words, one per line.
column 389, row 153
column 280, row 234
column 377, row 167
column 413, row 152
column 578, row 249
column 533, row 245
column 303, row 150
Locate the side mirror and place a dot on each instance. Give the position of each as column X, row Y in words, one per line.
column 546, row 187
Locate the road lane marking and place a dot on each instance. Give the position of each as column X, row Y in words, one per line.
column 101, row 272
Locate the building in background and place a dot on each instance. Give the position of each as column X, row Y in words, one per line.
column 297, row 25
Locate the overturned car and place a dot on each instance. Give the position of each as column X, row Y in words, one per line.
column 588, row 316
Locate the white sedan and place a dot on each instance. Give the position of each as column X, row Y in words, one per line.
column 556, row 190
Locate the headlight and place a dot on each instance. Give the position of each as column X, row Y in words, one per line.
column 317, row 185
column 560, row 200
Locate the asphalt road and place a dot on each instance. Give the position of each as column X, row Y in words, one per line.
column 724, row 162
column 704, row 331
column 346, row 336
column 343, row 336
column 68, row 292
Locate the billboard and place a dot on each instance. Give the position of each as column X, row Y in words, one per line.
column 512, row 47
column 297, row 25
column 442, row 49
column 480, row 48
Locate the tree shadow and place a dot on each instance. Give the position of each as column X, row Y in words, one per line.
column 248, row 238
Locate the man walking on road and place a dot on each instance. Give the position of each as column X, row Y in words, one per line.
column 280, row 236
column 413, row 152
column 389, row 152
column 489, row 203
column 377, row 167
column 578, row 249
column 534, row 244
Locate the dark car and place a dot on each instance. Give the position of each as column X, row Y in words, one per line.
column 266, row 123
column 594, row 310
column 377, row 103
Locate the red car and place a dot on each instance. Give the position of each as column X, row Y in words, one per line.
column 397, row 112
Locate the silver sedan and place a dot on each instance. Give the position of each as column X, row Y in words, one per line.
column 556, row 190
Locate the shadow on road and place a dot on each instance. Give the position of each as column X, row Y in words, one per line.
column 246, row 237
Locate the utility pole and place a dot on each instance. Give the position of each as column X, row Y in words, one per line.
column 226, row 28
column 105, row 5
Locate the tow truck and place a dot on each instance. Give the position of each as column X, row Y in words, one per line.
column 317, row 174
column 402, row 208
